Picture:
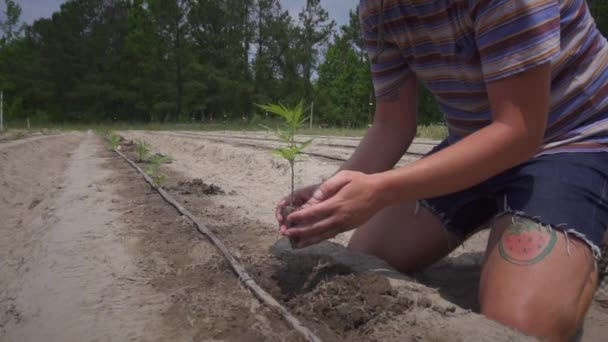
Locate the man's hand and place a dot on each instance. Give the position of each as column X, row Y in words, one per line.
column 300, row 197
column 344, row 202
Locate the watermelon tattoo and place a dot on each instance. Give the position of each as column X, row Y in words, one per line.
column 526, row 243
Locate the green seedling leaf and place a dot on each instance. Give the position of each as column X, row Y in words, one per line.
column 287, row 152
column 285, row 136
column 158, row 178
column 279, row 110
column 142, row 150
column 113, row 142
column 305, row 144
column 160, row 159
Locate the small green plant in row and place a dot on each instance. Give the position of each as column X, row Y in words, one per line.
column 155, row 161
column 143, row 149
column 153, row 170
column 113, row 141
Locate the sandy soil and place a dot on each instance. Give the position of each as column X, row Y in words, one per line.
column 89, row 253
column 17, row 134
column 252, row 180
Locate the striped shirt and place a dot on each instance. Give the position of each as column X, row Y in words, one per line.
column 454, row 47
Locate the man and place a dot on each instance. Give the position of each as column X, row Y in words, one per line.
column 523, row 86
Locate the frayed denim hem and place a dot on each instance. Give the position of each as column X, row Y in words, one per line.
column 445, row 222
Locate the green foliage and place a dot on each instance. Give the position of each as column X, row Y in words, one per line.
column 292, row 120
column 18, row 135
column 113, row 141
column 9, row 25
column 599, row 11
column 160, row 159
column 434, row 131
column 155, row 61
column 291, row 152
column 344, row 87
column 158, row 178
column 292, row 116
column 143, row 149
column 428, row 109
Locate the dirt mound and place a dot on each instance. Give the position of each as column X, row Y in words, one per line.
column 196, row 187
column 346, row 296
column 345, row 304
column 351, row 302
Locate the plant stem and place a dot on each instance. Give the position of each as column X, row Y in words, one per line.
column 291, row 163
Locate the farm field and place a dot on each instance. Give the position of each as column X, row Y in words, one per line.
column 89, row 251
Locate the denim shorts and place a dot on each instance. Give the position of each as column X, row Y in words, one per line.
column 564, row 191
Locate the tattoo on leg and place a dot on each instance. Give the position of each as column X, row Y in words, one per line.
column 526, row 242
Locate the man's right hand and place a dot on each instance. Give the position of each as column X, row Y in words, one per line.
column 300, row 197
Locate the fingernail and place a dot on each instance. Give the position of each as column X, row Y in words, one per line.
column 318, row 194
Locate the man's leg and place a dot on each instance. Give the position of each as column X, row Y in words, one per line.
column 536, row 279
column 408, row 237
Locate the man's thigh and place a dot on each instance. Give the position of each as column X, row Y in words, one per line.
column 407, row 236
column 537, row 279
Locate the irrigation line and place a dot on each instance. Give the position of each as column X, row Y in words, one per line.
column 236, row 266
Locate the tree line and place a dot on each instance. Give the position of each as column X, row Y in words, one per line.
column 97, row 61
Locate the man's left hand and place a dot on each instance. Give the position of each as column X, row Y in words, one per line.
column 344, row 202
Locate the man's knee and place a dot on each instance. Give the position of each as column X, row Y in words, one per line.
column 537, row 322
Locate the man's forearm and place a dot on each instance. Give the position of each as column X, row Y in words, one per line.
column 476, row 158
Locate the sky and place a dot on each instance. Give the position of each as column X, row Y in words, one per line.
column 34, row 9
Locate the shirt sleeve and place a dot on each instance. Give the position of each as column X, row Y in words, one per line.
column 389, row 69
column 515, row 35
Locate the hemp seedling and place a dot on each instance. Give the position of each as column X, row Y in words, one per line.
column 158, row 178
column 142, row 151
column 160, row 159
column 113, row 141
column 292, row 120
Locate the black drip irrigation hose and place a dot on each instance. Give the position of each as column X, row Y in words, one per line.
column 236, row 266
